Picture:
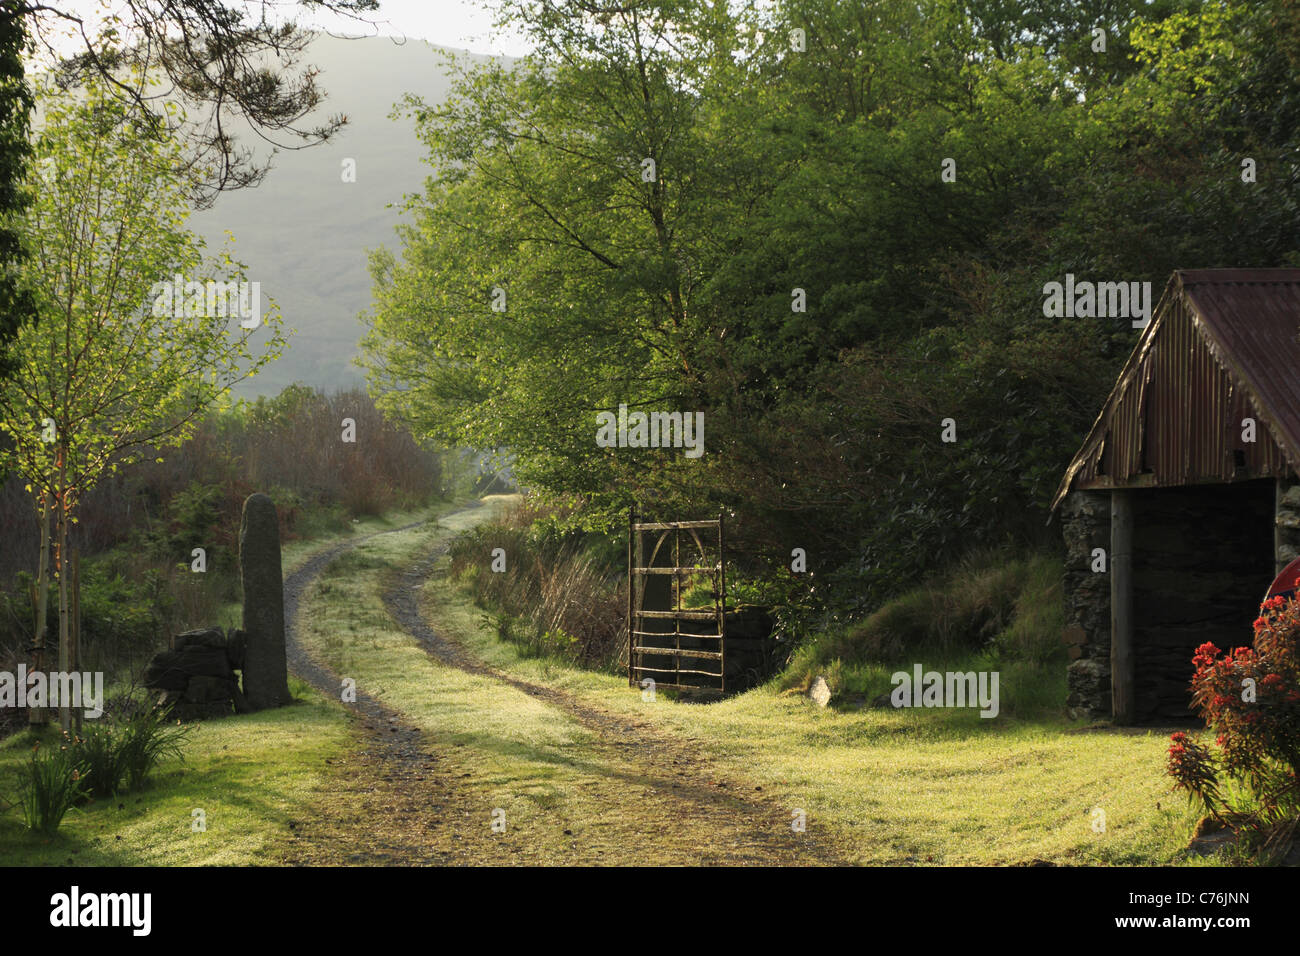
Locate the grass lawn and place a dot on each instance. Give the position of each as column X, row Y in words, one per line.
column 924, row 787
column 524, row 757
column 921, row 786
column 251, row 775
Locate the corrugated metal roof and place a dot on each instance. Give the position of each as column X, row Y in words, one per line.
column 1222, row 345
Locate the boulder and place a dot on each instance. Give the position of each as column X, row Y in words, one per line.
column 196, row 678
column 173, row 670
column 820, row 692
column 204, row 690
column 200, row 637
column 165, row 672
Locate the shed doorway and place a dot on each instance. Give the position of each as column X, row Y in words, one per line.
column 1203, row 557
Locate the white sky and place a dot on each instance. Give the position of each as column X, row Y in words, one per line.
column 464, row 24
column 456, row 23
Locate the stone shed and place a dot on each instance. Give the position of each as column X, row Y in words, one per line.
column 1183, row 502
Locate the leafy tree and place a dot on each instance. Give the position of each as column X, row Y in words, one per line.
column 15, row 110
column 817, row 166
column 589, row 187
column 110, row 374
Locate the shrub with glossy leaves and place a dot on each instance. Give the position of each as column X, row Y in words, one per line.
column 1250, row 698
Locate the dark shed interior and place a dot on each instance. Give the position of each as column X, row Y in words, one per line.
column 1202, row 556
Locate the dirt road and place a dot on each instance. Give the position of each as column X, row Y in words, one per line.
column 400, row 797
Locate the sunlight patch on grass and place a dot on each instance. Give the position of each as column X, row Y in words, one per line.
column 250, row 775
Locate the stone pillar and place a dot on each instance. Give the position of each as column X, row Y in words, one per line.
column 1122, row 652
column 266, row 670
column 1085, row 525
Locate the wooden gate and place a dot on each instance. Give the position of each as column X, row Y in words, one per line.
column 678, row 647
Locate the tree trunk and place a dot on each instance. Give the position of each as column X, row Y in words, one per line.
column 37, row 715
column 61, row 558
column 76, row 628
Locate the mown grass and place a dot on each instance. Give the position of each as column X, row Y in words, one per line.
column 251, row 775
column 526, row 758
column 923, row 786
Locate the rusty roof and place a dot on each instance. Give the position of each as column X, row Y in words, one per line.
column 1221, row 343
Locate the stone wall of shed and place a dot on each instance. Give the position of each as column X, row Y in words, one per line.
column 1288, row 522
column 1085, row 523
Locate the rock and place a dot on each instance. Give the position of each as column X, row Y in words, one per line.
column 209, row 689
column 173, row 670
column 205, row 662
column 168, row 699
column 1074, row 635
column 820, row 692
column 201, row 637
column 198, row 677
column 1089, row 683
column 164, row 672
column 266, row 670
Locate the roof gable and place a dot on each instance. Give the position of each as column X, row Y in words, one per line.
column 1223, row 344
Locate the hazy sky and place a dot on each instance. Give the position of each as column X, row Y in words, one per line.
column 456, row 23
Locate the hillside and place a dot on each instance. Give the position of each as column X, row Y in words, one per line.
column 304, row 233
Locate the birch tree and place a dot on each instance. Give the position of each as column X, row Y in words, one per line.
column 134, row 338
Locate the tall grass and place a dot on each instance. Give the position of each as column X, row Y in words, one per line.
column 55, row 780
column 98, row 746
column 110, row 757
column 120, row 753
column 559, row 595
column 145, row 739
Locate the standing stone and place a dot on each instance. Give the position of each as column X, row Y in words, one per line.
column 820, row 692
column 266, row 671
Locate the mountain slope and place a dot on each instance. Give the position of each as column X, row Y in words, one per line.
column 304, row 232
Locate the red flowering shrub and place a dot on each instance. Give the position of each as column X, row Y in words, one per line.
column 1250, row 698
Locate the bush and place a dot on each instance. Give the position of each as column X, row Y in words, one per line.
column 1007, row 609
column 123, row 613
column 1250, row 698
column 118, row 754
column 560, row 596
column 110, row 757
column 54, row 781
